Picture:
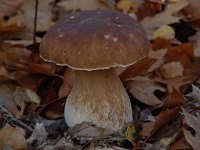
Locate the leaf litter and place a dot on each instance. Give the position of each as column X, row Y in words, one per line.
column 163, row 88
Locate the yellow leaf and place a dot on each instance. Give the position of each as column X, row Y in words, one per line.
column 131, row 133
column 124, row 5
column 165, row 32
column 172, row 69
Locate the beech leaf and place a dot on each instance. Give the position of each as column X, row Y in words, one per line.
column 142, row 88
column 81, row 4
column 13, row 136
column 194, row 123
column 165, row 17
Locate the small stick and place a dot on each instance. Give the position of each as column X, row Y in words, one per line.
column 35, row 22
column 13, row 121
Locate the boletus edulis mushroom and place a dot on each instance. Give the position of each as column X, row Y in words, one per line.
column 93, row 43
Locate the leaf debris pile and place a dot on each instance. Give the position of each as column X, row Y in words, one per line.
column 164, row 88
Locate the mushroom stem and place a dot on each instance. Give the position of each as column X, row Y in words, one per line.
column 98, row 97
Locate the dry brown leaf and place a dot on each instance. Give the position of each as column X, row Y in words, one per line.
column 30, row 81
column 165, row 17
column 49, row 90
column 148, row 8
column 174, row 98
column 159, row 55
column 86, row 131
column 182, row 52
column 147, row 127
column 192, row 10
column 10, row 7
column 142, row 88
column 138, row 69
column 176, row 82
column 81, row 4
column 15, row 98
column 180, row 144
column 12, row 54
column 67, row 83
column 163, row 118
column 13, row 136
column 194, row 123
column 43, row 68
column 144, row 65
column 6, row 98
column 14, row 23
column 55, row 110
column 109, row 148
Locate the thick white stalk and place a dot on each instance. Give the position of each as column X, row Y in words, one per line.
column 98, row 97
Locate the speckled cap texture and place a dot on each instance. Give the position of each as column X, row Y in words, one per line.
column 94, row 40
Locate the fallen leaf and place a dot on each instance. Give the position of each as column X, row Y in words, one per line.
column 176, row 82
column 124, row 5
column 44, row 18
column 55, row 109
column 44, row 15
column 195, row 94
column 67, row 83
column 163, row 118
column 27, row 95
column 172, row 69
column 12, row 54
column 39, row 134
column 147, row 8
column 48, row 91
column 82, row 5
column 146, row 115
column 174, row 98
column 180, row 144
column 165, row 17
column 164, row 32
column 10, row 7
column 147, row 127
column 16, row 99
column 11, row 100
column 109, row 148
column 159, row 55
column 13, row 136
column 181, row 52
column 86, row 131
column 151, row 128
column 165, row 142
column 196, row 42
column 142, row 88
column 131, row 133
column 43, row 68
column 138, row 69
column 14, row 23
column 194, row 123
column 192, row 10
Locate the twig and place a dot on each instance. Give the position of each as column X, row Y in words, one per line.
column 35, row 23
column 13, row 121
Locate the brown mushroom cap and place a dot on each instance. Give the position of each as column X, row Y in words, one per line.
column 95, row 39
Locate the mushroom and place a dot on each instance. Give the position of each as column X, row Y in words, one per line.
column 93, row 43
